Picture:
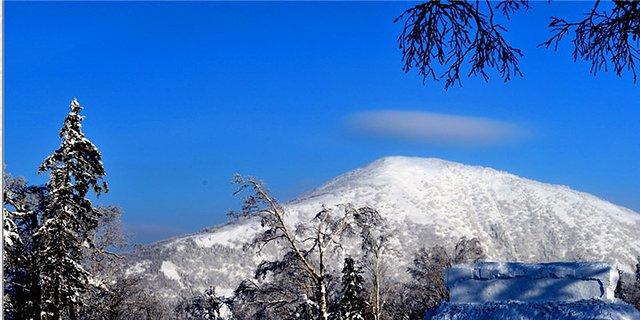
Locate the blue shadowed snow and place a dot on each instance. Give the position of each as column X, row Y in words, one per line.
column 523, row 291
column 577, row 310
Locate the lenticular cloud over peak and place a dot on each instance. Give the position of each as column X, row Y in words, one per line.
column 432, row 127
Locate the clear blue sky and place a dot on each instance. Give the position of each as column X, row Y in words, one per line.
column 179, row 96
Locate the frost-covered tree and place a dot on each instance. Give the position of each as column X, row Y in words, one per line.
column 638, row 271
column 126, row 296
column 126, row 299
column 13, row 260
column 307, row 248
column 352, row 304
column 427, row 288
column 69, row 220
column 376, row 238
column 205, row 306
column 23, row 204
column 636, row 287
column 621, row 287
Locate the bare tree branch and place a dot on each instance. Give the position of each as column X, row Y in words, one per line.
column 602, row 37
column 451, row 33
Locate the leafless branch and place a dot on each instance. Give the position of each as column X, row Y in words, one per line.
column 602, row 37
column 451, row 33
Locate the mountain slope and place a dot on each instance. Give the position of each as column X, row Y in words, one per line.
column 428, row 202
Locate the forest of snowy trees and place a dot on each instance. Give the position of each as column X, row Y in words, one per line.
column 57, row 263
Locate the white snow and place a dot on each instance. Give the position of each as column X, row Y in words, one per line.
column 227, row 235
column 577, row 310
column 138, row 267
column 536, row 282
column 170, row 270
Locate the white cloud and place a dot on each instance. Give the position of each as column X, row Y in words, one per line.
column 434, row 127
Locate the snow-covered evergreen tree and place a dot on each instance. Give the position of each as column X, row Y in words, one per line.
column 352, row 305
column 75, row 168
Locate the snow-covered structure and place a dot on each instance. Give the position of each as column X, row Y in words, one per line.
column 560, row 290
column 531, row 282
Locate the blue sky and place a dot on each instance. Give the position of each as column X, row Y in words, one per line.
column 179, row 96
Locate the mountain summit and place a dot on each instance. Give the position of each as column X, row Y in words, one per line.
column 428, row 201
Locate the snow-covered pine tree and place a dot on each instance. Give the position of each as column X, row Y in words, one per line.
column 352, row 305
column 75, row 168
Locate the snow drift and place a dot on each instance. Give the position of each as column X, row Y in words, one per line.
column 535, row 282
column 557, row 310
column 561, row 290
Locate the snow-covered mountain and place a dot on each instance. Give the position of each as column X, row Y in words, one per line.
column 429, row 201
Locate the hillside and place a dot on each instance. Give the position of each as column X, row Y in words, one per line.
column 428, row 202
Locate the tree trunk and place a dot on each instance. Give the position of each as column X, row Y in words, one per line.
column 322, row 303
column 376, row 292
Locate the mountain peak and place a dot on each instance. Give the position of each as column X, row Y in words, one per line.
column 395, row 163
column 404, row 172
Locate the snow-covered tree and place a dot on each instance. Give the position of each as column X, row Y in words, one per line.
column 205, row 306
column 427, row 288
column 638, row 271
column 621, row 287
column 307, row 248
column 352, row 304
column 23, row 204
column 281, row 289
column 127, row 297
column 636, row 288
column 13, row 258
column 376, row 244
column 70, row 219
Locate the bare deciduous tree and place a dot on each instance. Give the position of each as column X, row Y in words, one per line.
column 307, row 245
column 376, row 247
column 428, row 288
column 439, row 37
column 117, row 295
column 125, row 299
